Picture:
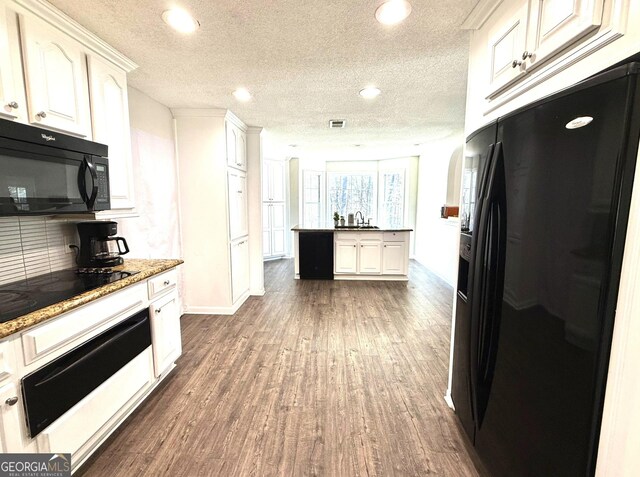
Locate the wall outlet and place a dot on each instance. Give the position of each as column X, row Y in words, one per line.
column 69, row 240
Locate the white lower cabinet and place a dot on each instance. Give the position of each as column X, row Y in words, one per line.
column 74, row 430
column 10, row 422
column 346, row 256
column 394, row 258
column 165, row 332
column 371, row 255
column 239, row 268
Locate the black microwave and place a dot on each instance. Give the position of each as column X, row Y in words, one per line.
column 45, row 172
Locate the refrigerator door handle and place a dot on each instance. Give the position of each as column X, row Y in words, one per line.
column 488, row 280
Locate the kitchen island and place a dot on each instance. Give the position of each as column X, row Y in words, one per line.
column 356, row 253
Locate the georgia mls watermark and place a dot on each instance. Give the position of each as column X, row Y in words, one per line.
column 35, row 465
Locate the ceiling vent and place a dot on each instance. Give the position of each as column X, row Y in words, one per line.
column 337, row 123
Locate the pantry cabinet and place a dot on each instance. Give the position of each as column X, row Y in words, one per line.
column 273, row 229
column 110, row 119
column 236, row 146
column 238, row 219
column 56, row 78
column 239, row 268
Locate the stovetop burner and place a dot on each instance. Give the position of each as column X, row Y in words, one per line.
column 25, row 296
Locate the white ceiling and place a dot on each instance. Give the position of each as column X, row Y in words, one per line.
column 304, row 61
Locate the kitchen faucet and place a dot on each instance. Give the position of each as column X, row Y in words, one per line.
column 359, row 222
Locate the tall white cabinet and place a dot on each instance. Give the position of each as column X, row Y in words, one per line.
column 273, row 209
column 212, row 155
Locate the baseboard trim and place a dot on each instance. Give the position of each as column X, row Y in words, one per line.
column 373, row 278
column 218, row 310
column 449, row 401
column 260, row 292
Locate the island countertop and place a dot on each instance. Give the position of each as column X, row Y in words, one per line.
column 145, row 268
column 301, row 228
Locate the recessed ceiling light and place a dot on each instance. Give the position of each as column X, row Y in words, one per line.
column 370, row 92
column 392, row 12
column 242, row 94
column 180, row 20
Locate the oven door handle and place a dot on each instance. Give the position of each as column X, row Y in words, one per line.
column 66, row 367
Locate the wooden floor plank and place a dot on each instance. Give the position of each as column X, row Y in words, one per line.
column 322, row 378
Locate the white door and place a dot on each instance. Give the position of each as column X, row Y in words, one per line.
column 393, row 258
column 277, row 229
column 110, row 117
column 273, row 181
column 165, row 332
column 238, row 223
column 56, row 78
column 370, row 257
column 555, row 24
column 267, row 247
column 239, row 268
column 11, row 106
column 346, row 256
column 507, row 40
column 10, row 422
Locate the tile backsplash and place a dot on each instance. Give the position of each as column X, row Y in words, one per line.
column 31, row 246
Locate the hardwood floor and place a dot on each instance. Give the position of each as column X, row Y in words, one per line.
column 332, row 378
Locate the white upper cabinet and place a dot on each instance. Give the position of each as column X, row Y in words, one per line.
column 507, row 40
column 56, row 78
column 555, row 24
column 236, row 146
column 11, row 102
column 523, row 35
column 110, row 118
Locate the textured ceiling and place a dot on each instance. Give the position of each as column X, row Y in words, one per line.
column 304, row 61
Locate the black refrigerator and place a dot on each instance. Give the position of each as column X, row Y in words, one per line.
column 539, row 269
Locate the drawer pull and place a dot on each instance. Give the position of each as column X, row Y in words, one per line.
column 13, row 105
column 12, row 401
column 166, row 283
column 42, row 115
column 158, row 310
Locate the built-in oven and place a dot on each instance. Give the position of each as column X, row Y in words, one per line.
column 45, row 172
column 55, row 388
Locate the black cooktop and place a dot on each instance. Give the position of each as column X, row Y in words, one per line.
column 25, row 296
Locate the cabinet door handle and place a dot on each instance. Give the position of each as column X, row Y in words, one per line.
column 385, row 246
column 166, row 283
column 515, row 63
column 12, row 400
column 42, row 115
column 526, row 54
column 158, row 310
column 13, row 105
column 354, row 246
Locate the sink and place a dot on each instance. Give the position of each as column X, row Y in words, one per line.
column 356, row 227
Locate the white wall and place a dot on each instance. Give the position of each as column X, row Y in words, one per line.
column 156, row 232
column 254, row 204
column 436, row 239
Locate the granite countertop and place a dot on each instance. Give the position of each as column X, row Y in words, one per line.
column 145, row 267
column 331, row 228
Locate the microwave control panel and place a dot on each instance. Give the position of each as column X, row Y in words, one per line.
column 103, row 183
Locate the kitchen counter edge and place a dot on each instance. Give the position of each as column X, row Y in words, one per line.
column 298, row 228
column 146, row 268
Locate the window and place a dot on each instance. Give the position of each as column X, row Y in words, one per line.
column 312, row 199
column 392, row 199
column 352, row 192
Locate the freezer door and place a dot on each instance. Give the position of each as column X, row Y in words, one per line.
column 477, row 151
column 567, row 193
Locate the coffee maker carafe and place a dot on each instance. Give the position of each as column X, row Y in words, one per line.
column 99, row 247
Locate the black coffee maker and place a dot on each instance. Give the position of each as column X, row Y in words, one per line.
column 98, row 246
